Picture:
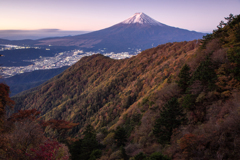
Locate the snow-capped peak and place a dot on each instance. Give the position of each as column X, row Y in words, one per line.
column 142, row 19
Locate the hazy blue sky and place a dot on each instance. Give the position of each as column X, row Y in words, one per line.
column 198, row 15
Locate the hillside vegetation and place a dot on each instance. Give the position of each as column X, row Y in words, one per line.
column 98, row 84
column 175, row 101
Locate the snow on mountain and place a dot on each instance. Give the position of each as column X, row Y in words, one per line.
column 141, row 18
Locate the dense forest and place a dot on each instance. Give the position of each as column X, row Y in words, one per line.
column 175, row 101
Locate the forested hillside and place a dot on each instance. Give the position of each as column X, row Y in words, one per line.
column 98, row 84
column 175, row 101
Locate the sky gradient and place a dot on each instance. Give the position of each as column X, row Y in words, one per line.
column 90, row 15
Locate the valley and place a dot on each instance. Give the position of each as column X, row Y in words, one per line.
column 66, row 58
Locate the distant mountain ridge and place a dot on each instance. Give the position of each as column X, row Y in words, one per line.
column 137, row 32
column 36, row 34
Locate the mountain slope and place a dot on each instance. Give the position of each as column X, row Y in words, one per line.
column 94, row 81
column 139, row 31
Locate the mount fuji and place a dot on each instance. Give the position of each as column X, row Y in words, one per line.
column 142, row 18
column 139, row 31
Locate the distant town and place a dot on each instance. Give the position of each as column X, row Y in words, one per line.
column 10, row 47
column 61, row 59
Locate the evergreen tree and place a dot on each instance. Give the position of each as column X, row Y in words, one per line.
column 124, row 154
column 188, row 102
column 158, row 156
column 184, row 76
column 140, row 156
column 75, row 149
column 89, row 142
column 120, row 136
column 83, row 148
column 89, row 132
column 205, row 73
column 171, row 117
column 95, row 154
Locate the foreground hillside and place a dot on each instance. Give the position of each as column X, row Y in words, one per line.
column 179, row 99
column 98, row 83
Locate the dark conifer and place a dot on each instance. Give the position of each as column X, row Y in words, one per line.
column 184, row 76
column 120, row 136
column 171, row 117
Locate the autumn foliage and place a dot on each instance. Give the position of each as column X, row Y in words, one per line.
column 177, row 100
column 49, row 150
column 22, row 134
column 5, row 102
